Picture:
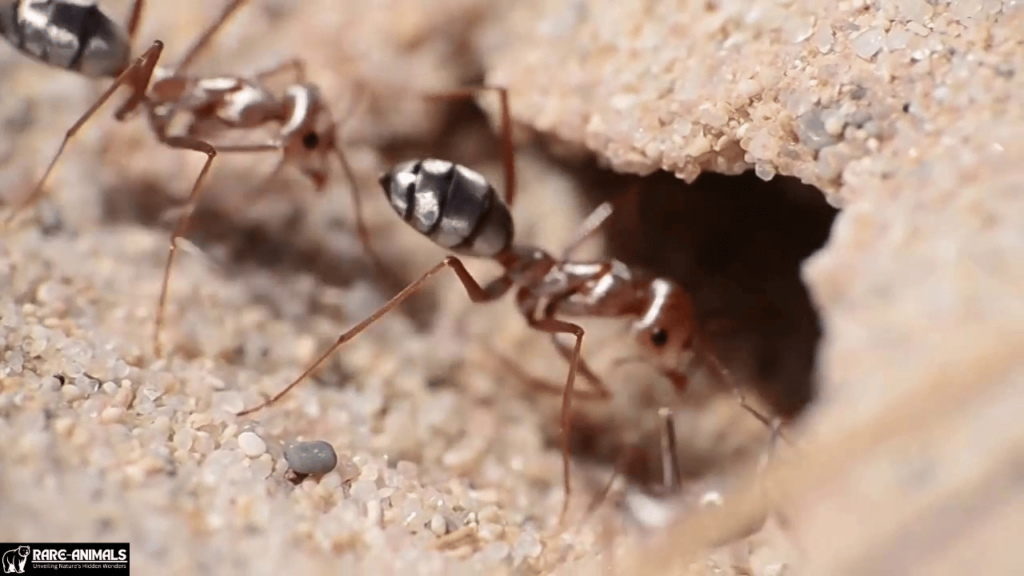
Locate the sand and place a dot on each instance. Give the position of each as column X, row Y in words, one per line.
column 906, row 115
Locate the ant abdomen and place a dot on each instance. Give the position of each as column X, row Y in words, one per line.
column 70, row 34
column 452, row 205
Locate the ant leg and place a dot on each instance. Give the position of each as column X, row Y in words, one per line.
column 508, row 158
column 591, row 224
column 476, row 292
column 619, row 470
column 773, row 424
column 598, row 218
column 203, row 41
column 556, row 326
column 549, row 311
column 671, row 478
column 264, row 189
column 539, row 384
column 187, row 143
column 137, row 78
column 601, row 389
column 362, row 230
column 134, row 17
column 296, row 65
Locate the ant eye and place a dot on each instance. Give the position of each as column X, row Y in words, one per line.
column 659, row 337
column 311, row 140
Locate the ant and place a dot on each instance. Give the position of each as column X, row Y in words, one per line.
column 80, row 37
column 459, row 210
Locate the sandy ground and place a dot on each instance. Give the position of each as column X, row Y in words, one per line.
column 904, row 114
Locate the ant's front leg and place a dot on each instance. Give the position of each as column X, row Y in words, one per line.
column 136, row 77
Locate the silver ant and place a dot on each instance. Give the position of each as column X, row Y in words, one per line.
column 460, row 211
column 77, row 36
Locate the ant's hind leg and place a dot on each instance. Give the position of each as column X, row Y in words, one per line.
column 508, row 158
column 204, row 39
column 134, row 17
column 136, row 77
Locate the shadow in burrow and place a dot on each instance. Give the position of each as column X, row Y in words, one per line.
column 736, row 244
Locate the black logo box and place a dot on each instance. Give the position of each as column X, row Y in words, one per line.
column 35, row 557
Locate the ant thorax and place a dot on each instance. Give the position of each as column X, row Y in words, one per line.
column 604, row 288
column 213, row 103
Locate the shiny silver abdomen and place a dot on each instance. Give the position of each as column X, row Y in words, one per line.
column 450, row 204
column 70, row 34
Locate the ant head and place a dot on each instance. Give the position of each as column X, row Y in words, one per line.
column 667, row 329
column 309, row 134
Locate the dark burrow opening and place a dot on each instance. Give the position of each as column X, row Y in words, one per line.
column 736, row 244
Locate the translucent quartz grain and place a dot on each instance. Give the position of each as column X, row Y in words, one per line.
column 868, row 43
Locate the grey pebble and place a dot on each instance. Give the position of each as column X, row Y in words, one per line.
column 315, row 457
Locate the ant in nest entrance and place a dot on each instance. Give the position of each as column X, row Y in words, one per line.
column 459, row 210
column 737, row 244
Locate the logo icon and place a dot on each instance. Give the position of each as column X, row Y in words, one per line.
column 14, row 560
